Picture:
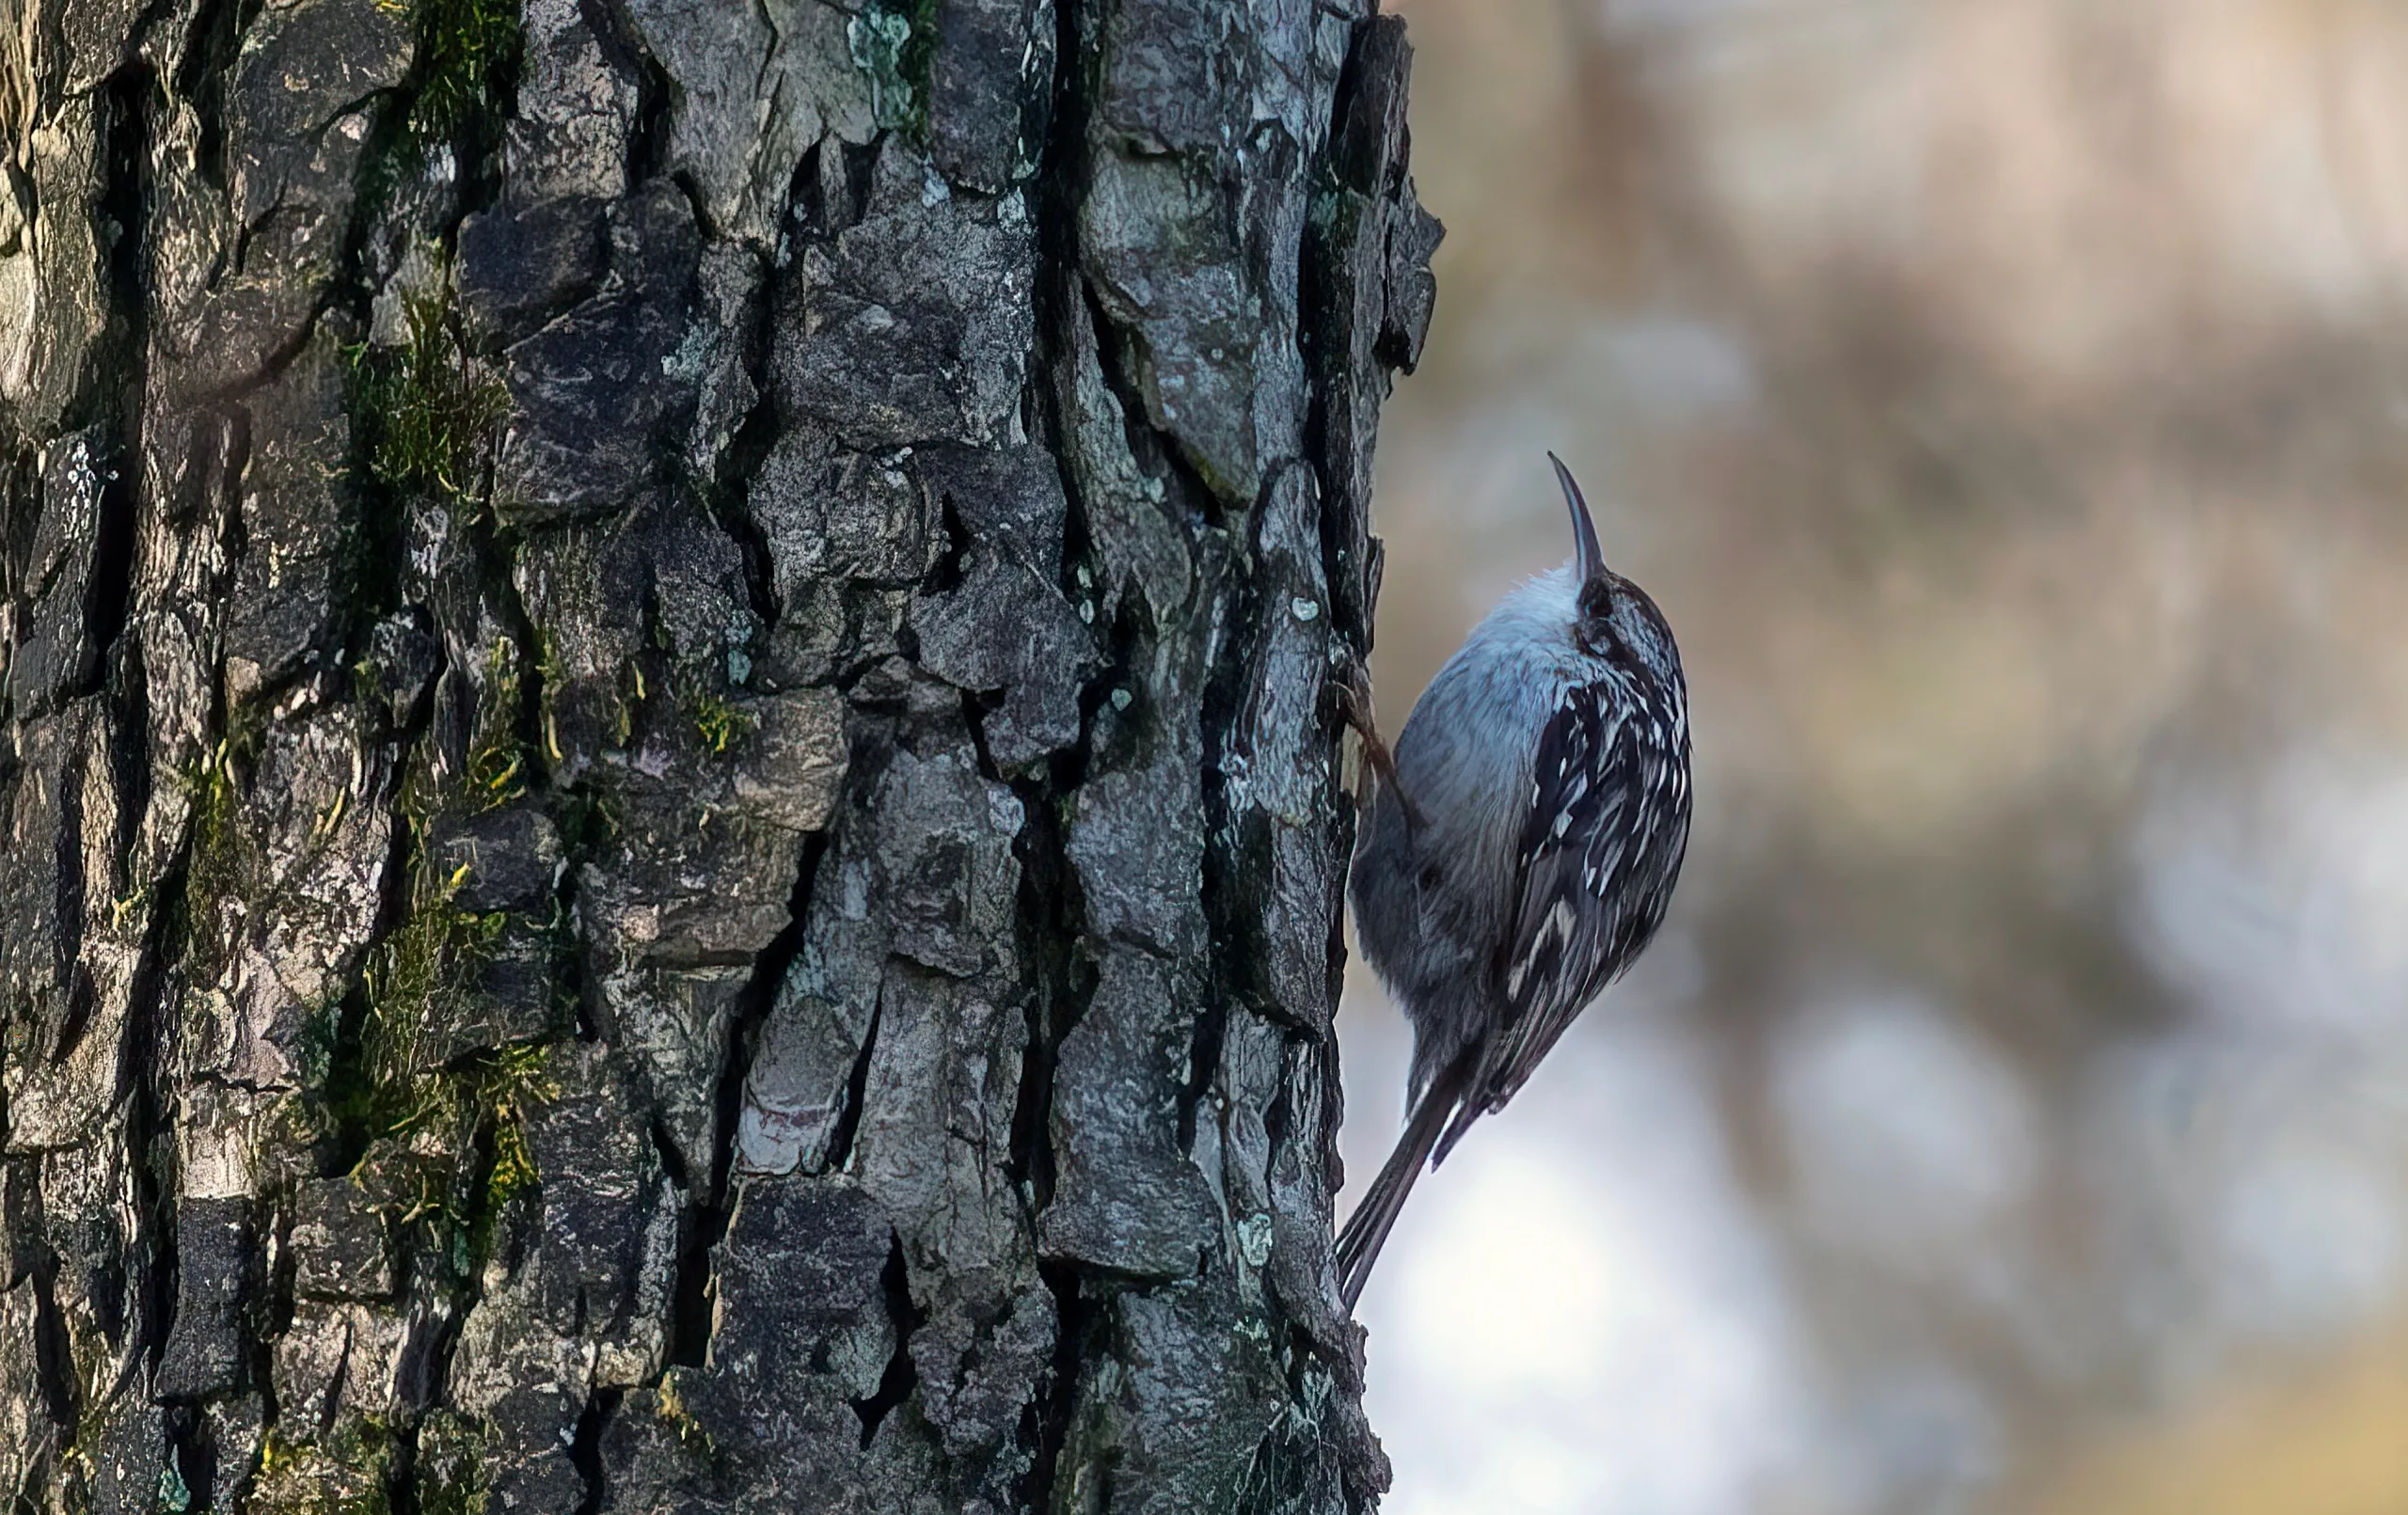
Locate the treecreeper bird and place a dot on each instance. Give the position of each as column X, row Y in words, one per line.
column 1522, row 846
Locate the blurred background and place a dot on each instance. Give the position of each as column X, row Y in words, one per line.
column 2007, row 402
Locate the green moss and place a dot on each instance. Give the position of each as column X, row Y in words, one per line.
column 917, row 66
column 497, row 771
column 465, row 50
column 721, row 723
column 420, row 976
column 590, row 819
column 894, row 42
column 451, row 1473
column 209, row 785
column 175, row 1495
column 428, row 407
column 692, row 1436
column 622, row 707
column 348, row 1471
column 496, row 774
column 129, row 905
column 368, row 1059
column 219, row 851
column 494, row 770
column 513, row 1166
column 507, row 1083
column 554, row 679
column 455, row 1163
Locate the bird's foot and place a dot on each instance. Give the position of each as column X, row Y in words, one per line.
column 1354, row 688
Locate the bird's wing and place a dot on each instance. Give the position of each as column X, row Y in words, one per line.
column 1600, row 846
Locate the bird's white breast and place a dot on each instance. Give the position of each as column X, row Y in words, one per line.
column 1468, row 769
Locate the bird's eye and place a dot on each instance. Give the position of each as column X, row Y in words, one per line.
column 1598, row 632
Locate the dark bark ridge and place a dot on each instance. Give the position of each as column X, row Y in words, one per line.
column 670, row 838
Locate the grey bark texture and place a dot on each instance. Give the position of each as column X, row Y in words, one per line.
column 673, row 830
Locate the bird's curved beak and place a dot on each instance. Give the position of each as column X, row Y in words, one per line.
column 1588, row 560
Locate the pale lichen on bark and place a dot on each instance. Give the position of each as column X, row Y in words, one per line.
column 672, row 839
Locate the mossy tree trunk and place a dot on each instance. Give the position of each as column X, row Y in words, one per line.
column 673, row 833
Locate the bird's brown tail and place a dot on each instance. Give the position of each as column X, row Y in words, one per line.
column 1367, row 1229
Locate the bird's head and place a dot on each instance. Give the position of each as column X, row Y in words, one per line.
column 1616, row 619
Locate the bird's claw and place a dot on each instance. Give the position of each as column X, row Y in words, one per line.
column 1354, row 688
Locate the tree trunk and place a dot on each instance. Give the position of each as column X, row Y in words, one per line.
column 673, row 837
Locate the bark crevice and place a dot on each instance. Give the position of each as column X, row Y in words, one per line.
column 900, row 1377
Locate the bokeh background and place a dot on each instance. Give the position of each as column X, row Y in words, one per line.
column 2007, row 400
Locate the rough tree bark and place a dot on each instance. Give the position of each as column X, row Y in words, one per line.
column 673, row 832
